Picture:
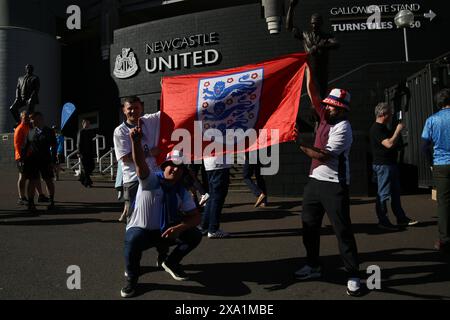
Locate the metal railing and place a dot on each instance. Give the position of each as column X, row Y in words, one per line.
column 99, row 145
column 77, row 163
column 68, row 149
column 110, row 167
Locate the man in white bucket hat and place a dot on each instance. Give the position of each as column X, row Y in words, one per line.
column 328, row 185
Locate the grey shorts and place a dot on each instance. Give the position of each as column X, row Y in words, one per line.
column 129, row 194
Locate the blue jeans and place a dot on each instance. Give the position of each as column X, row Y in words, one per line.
column 218, row 181
column 137, row 240
column 388, row 180
column 260, row 186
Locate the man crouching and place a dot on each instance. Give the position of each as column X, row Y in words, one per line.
column 164, row 214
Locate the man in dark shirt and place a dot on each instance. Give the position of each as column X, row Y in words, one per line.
column 40, row 158
column 86, row 152
column 384, row 145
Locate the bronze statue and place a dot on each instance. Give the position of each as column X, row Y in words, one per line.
column 317, row 44
column 26, row 92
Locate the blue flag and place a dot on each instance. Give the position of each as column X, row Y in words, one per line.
column 67, row 111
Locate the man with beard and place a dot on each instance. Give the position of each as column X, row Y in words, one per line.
column 328, row 186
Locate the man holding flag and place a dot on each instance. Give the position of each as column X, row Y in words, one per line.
column 327, row 189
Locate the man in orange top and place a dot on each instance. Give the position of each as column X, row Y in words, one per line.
column 20, row 136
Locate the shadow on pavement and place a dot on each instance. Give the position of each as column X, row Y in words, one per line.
column 255, row 215
column 435, row 269
column 273, row 233
column 288, row 205
column 228, row 279
column 281, row 205
column 358, row 228
column 354, row 201
column 61, row 208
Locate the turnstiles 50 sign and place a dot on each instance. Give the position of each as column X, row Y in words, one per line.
column 375, row 17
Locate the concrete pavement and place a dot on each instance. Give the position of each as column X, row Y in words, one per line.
column 257, row 263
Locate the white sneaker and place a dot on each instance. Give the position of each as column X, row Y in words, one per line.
column 203, row 231
column 308, row 272
column 354, row 287
column 218, row 234
column 203, row 199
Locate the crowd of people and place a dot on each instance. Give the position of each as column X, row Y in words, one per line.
column 161, row 205
column 160, row 210
column 36, row 157
column 39, row 155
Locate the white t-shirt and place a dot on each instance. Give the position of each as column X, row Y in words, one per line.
column 337, row 168
column 216, row 163
column 150, row 139
column 149, row 204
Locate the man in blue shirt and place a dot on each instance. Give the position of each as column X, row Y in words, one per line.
column 436, row 145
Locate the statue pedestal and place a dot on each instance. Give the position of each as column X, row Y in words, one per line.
column 7, row 151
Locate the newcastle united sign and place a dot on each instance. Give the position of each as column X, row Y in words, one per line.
column 171, row 54
column 184, row 59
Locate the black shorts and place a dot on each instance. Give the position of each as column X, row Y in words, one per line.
column 33, row 168
column 61, row 158
column 20, row 166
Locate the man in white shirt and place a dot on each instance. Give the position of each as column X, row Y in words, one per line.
column 327, row 189
column 133, row 109
column 165, row 214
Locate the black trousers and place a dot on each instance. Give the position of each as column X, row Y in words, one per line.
column 87, row 167
column 441, row 175
column 333, row 198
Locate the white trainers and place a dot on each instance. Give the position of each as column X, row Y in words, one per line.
column 203, row 199
column 203, row 231
column 354, row 287
column 308, row 272
column 218, row 234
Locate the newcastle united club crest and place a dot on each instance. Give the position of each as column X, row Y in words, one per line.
column 230, row 101
column 126, row 64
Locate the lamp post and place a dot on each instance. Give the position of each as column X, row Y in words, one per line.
column 404, row 19
column 273, row 11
